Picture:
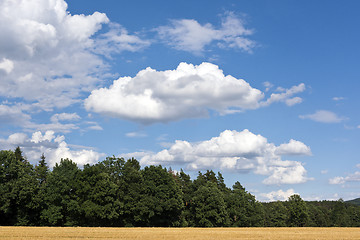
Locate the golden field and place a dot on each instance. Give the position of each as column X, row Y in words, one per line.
column 177, row 233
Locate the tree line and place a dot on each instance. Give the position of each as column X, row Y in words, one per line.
column 119, row 193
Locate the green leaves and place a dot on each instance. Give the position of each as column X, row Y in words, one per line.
column 117, row 193
column 298, row 212
column 209, row 207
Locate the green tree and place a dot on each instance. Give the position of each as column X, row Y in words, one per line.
column 244, row 210
column 18, row 154
column 41, row 170
column 208, row 207
column 99, row 198
column 339, row 215
column 298, row 212
column 276, row 214
column 133, row 188
column 62, row 202
column 187, row 188
column 318, row 215
column 161, row 203
column 17, row 189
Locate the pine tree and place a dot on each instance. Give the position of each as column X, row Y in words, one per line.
column 41, row 170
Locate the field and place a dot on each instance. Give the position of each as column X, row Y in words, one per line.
column 177, row 233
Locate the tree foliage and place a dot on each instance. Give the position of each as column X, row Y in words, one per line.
column 117, row 192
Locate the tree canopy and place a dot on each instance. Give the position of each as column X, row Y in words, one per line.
column 117, row 192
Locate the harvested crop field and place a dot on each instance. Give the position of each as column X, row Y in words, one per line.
column 177, row 233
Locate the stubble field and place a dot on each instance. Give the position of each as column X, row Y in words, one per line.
column 178, row 233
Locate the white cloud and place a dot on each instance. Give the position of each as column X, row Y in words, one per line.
column 38, row 137
column 289, row 172
column 268, row 85
column 189, row 35
column 48, row 54
column 353, row 177
column 118, row 40
column 323, row 116
column 325, row 171
column 54, row 148
column 17, row 138
column 6, row 65
column 234, row 151
column 293, row 148
column 279, row 195
column 286, row 96
column 13, row 115
column 187, row 92
column 338, row 98
column 337, row 180
column 95, row 127
column 55, row 126
column 136, row 134
column 65, row 117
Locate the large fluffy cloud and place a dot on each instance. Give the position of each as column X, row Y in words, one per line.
column 53, row 146
column 236, row 151
column 187, row 92
column 47, row 55
column 189, row 35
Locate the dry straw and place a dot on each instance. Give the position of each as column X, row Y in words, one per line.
column 177, row 233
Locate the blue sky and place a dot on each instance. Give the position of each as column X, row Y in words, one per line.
column 264, row 91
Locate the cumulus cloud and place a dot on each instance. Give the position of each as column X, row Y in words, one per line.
column 353, row 177
column 187, row 92
column 189, row 35
column 279, row 195
column 53, row 146
column 234, row 151
column 323, row 116
column 293, row 148
column 47, row 55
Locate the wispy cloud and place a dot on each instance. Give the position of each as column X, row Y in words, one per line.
column 324, row 116
column 189, row 35
column 136, row 134
column 286, row 96
column 338, row 98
